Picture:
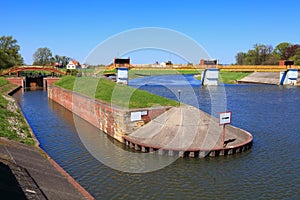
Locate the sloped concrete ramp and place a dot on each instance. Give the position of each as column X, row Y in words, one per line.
column 262, row 78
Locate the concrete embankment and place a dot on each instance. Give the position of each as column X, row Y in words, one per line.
column 182, row 131
column 261, row 78
column 271, row 78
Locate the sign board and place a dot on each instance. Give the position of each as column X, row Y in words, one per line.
column 289, row 62
column 210, row 62
column 123, row 73
column 143, row 113
column 135, row 116
column 225, row 117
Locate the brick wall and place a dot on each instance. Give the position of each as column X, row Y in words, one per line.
column 112, row 120
column 16, row 80
column 49, row 81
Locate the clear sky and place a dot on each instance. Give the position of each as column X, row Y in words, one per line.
column 222, row 27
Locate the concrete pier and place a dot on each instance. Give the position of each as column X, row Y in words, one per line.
column 210, row 76
column 189, row 132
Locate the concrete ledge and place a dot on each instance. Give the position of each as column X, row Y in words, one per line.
column 39, row 177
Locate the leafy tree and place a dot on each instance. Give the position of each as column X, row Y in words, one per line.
column 42, row 56
column 296, row 58
column 9, row 52
column 262, row 54
column 280, row 50
column 63, row 60
column 241, row 58
column 291, row 51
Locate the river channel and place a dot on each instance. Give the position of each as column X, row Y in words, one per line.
column 270, row 170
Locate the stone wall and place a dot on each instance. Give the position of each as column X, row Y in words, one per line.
column 112, row 120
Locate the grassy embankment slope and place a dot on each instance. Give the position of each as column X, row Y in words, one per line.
column 108, row 91
column 12, row 124
column 231, row 77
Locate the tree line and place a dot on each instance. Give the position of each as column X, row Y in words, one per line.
column 10, row 55
column 43, row 56
column 262, row 54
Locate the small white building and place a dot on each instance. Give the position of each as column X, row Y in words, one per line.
column 73, row 64
column 163, row 64
column 84, row 66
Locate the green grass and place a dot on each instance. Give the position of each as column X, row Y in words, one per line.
column 120, row 95
column 10, row 112
column 231, row 77
column 3, row 81
column 135, row 73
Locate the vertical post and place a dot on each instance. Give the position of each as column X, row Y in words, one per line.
column 223, row 136
column 179, row 91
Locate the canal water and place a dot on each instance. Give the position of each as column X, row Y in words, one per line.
column 270, row 170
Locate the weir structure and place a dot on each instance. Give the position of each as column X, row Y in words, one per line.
column 210, row 76
column 288, row 77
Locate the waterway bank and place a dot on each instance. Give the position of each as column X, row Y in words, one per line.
column 12, row 125
column 34, row 171
column 38, row 176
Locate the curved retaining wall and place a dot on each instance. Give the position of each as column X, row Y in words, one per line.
column 195, row 152
column 112, row 120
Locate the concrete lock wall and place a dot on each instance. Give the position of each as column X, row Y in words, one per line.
column 112, row 120
column 289, row 77
column 210, row 76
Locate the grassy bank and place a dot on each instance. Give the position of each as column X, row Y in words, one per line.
column 231, row 77
column 111, row 92
column 12, row 124
column 136, row 73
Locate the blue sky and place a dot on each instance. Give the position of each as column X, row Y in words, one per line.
column 222, row 27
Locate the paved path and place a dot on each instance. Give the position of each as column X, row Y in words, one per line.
column 38, row 178
column 186, row 128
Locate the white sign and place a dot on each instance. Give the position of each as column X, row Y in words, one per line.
column 225, row 117
column 123, row 73
column 143, row 113
column 136, row 116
